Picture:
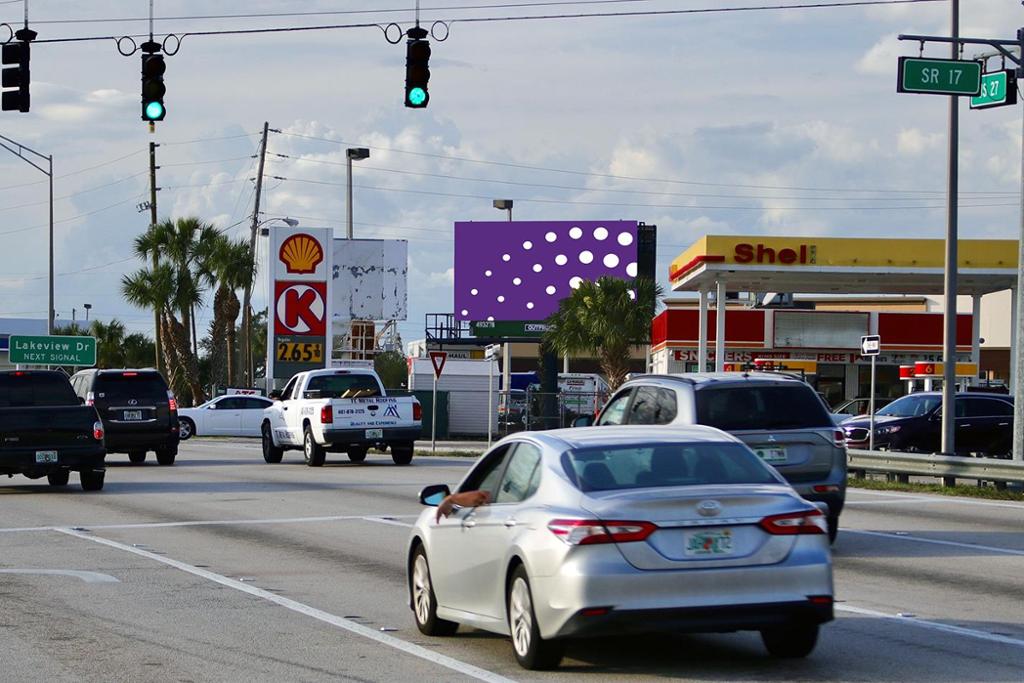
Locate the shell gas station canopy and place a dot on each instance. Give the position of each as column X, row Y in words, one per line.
column 839, row 265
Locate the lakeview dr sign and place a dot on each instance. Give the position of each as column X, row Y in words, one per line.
column 43, row 350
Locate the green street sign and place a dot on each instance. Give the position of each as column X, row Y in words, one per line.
column 939, row 76
column 53, row 351
column 506, row 328
column 998, row 89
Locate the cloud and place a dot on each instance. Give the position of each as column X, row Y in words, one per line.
column 882, row 57
column 914, row 142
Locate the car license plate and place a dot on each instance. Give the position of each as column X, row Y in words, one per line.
column 46, row 456
column 132, row 415
column 771, row 454
column 709, row 542
column 374, row 433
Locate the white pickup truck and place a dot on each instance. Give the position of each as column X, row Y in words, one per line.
column 339, row 410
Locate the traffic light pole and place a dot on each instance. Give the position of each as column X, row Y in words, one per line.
column 19, row 150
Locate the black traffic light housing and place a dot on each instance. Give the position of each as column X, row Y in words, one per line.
column 417, row 68
column 18, row 76
column 153, row 88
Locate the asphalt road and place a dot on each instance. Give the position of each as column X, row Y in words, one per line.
column 224, row 568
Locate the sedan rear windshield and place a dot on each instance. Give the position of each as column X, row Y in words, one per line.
column 766, row 407
column 116, row 387
column 343, row 386
column 30, row 389
column 661, row 465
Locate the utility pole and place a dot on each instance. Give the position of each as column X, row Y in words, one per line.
column 952, row 256
column 158, row 343
column 247, row 358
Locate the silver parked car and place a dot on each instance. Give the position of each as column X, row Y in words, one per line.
column 598, row 531
column 779, row 416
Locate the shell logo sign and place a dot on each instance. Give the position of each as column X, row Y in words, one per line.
column 301, row 254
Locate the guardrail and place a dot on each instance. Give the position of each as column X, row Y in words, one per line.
column 946, row 466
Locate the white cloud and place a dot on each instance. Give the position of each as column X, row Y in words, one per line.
column 882, row 58
column 914, row 142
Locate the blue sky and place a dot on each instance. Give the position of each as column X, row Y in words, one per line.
column 775, row 122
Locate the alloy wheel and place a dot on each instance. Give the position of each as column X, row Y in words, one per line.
column 421, row 589
column 521, row 616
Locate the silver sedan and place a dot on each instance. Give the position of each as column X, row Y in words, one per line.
column 611, row 530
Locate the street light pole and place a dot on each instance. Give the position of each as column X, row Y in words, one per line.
column 506, row 356
column 352, row 154
column 19, row 150
column 952, row 257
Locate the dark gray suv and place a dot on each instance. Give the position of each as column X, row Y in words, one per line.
column 778, row 416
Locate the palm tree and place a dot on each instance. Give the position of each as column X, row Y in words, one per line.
column 138, row 350
column 110, row 351
column 607, row 317
column 229, row 266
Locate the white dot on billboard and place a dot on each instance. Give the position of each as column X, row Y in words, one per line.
column 474, row 292
column 529, row 305
column 527, row 245
column 576, row 282
column 488, row 273
column 611, row 260
column 561, row 259
column 625, row 239
column 632, row 294
column 465, row 312
column 551, row 237
column 517, row 281
column 576, row 233
column 490, row 318
column 501, row 299
column 551, row 289
column 601, row 234
column 537, row 267
column 586, row 257
column 631, row 270
column 506, row 258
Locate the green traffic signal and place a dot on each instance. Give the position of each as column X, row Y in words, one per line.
column 417, row 96
column 154, row 111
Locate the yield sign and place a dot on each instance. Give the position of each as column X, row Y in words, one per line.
column 438, row 359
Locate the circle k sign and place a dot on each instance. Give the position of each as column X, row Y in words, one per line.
column 300, row 308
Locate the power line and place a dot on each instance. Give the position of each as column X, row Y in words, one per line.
column 512, row 18
column 612, row 176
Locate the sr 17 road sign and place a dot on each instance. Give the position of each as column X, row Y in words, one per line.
column 939, row 76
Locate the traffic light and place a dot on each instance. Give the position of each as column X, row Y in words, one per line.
column 16, row 77
column 417, row 69
column 153, row 88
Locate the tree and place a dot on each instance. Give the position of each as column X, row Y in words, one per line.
column 608, row 318
column 229, row 266
column 110, row 351
column 392, row 368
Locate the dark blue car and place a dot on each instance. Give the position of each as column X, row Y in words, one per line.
column 984, row 424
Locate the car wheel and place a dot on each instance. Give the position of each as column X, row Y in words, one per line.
column 532, row 652
column 833, row 527
column 271, row 453
column 59, row 478
column 166, row 456
column 186, row 429
column 402, row 454
column 424, row 602
column 313, row 452
column 357, row 453
column 92, row 481
column 790, row 642
column 136, row 457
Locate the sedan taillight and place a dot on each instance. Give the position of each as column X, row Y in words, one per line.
column 792, row 523
column 593, row 531
column 97, row 430
column 417, row 411
column 839, row 438
column 326, row 415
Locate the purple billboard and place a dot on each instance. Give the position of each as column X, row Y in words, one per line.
column 521, row 270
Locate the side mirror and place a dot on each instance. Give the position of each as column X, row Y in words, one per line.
column 212, row 406
column 434, row 494
column 583, row 421
column 275, row 395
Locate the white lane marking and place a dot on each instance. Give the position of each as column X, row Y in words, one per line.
column 901, row 501
column 935, row 541
column 389, row 520
column 934, row 625
column 326, row 617
column 952, row 500
column 88, row 577
column 211, row 522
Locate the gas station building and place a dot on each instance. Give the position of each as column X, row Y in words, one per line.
column 863, row 287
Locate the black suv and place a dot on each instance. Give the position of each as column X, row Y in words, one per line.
column 984, row 424
column 139, row 412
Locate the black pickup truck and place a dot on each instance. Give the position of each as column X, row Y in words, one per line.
column 47, row 431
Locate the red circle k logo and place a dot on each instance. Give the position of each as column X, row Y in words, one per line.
column 301, row 308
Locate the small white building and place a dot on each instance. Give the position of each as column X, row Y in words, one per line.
column 17, row 326
column 466, row 382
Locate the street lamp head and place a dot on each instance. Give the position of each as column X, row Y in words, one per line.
column 357, row 153
column 503, row 204
column 290, row 222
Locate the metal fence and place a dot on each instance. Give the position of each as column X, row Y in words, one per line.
column 946, row 467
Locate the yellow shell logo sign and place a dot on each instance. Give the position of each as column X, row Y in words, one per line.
column 301, row 254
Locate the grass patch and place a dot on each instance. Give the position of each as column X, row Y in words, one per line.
column 988, row 492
